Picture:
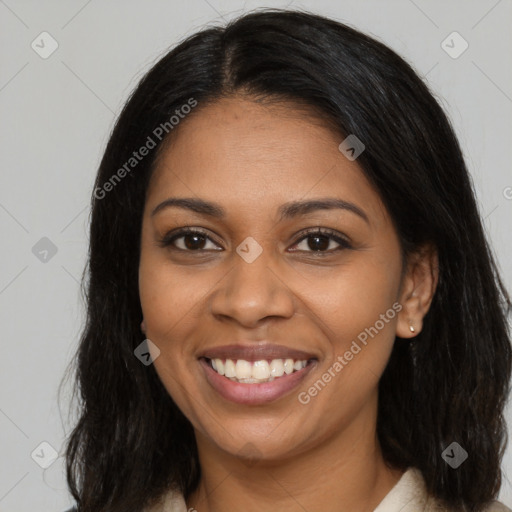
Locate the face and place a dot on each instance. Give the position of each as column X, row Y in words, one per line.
column 283, row 251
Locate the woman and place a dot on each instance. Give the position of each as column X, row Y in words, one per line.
column 284, row 211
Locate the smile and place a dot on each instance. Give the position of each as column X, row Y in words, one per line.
column 247, row 372
column 255, row 382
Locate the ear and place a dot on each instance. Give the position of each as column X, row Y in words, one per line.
column 417, row 291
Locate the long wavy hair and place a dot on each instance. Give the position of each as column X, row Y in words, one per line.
column 130, row 442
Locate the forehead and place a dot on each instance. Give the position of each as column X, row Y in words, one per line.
column 252, row 155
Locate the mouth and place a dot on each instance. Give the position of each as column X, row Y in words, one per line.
column 256, row 372
column 255, row 376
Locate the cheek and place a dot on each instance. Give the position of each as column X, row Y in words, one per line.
column 169, row 305
column 358, row 310
column 355, row 297
column 169, row 295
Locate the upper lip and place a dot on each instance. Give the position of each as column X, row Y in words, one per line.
column 256, row 352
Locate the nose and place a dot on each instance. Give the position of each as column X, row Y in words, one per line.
column 251, row 292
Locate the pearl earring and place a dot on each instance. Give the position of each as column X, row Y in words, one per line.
column 411, row 328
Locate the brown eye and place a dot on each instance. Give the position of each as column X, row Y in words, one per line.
column 320, row 241
column 190, row 240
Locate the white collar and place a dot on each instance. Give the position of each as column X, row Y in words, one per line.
column 408, row 495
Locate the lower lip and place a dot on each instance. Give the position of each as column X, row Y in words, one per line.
column 254, row 394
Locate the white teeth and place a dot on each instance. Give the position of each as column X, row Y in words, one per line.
column 260, row 370
column 229, row 368
column 249, row 381
column 288, row 366
column 277, row 368
column 219, row 366
column 243, row 369
column 247, row 372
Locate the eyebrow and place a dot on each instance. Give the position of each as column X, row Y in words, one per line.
column 285, row 211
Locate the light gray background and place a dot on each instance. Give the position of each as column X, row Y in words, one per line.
column 56, row 114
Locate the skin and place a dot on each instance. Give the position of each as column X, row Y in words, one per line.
column 250, row 159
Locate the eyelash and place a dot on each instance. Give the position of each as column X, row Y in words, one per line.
column 168, row 239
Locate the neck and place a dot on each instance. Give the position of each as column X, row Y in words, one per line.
column 340, row 474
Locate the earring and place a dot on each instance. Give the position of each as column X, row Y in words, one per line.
column 143, row 327
column 411, row 328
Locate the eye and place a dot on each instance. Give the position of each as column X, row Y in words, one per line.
column 188, row 239
column 318, row 240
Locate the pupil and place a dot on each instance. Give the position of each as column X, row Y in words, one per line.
column 193, row 245
column 322, row 245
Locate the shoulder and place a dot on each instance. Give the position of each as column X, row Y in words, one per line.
column 494, row 506
column 497, row 506
column 410, row 495
column 173, row 501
